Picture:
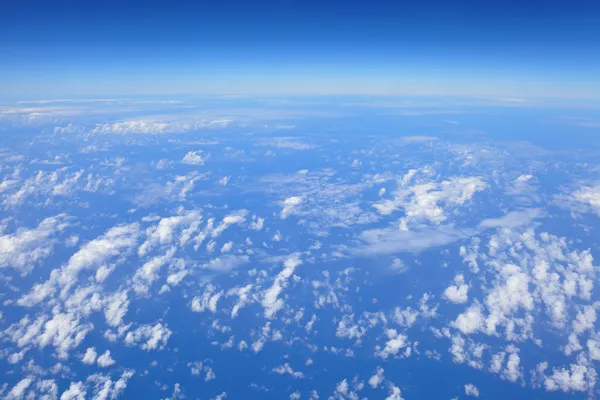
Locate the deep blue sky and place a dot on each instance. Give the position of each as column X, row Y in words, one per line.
column 495, row 48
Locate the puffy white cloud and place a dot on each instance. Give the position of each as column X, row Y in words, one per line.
column 578, row 377
column 395, row 343
column 471, row 390
column 584, row 199
column 457, row 293
column 508, row 368
column 26, row 248
column 208, row 300
column 90, row 356
column 287, row 369
column 63, row 331
column 428, row 201
column 530, row 277
column 18, row 391
column 376, row 379
column 148, row 273
column 105, row 360
column 395, row 393
column 471, row 320
column 227, row 247
column 195, row 158
column 271, row 301
column 116, row 242
column 151, row 337
column 244, row 298
column 234, row 218
column 76, row 391
column 177, row 229
column 116, row 308
column 290, row 206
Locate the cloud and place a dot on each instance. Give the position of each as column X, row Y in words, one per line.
column 376, row 379
column 151, row 337
column 89, row 357
column 457, row 293
column 395, row 343
column 208, row 300
column 287, row 369
column 290, row 206
column 271, row 301
column 27, row 248
column 195, row 158
column 395, row 393
column 471, row 390
column 393, row 241
column 427, row 202
column 76, row 391
column 105, row 360
column 18, row 391
column 514, row 219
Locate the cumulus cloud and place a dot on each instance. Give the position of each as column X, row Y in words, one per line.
column 376, row 379
column 27, row 248
column 457, row 293
column 195, row 158
column 271, row 301
column 396, row 342
column 428, row 202
column 149, row 337
column 471, row 390
column 287, row 369
column 290, row 206
column 90, row 356
column 105, row 360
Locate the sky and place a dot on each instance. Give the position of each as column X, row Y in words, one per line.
column 492, row 48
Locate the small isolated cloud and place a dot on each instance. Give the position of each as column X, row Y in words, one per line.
column 287, row 369
column 290, row 206
column 471, row 390
column 457, row 293
column 195, row 158
column 376, row 379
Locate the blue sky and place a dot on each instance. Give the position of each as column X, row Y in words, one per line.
column 509, row 48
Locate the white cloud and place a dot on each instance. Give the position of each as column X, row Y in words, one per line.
column 271, row 301
column 395, row 343
column 89, row 357
column 376, row 379
column 287, row 369
column 427, row 202
column 18, row 391
column 26, row 248
column 290, row 206
column 151, row 337
column 226, row 248
column 105, row 360
column 471, row 320
column 457, row 293
column 395, row 393
column 471, row 390
column 208, row 300
column 513, row 219
column 76, row 391
column 195, row 158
